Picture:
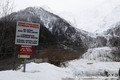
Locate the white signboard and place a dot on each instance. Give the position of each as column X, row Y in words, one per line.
column 27, row 33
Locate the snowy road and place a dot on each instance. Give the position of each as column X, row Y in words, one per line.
column 97, row 78
column 93, row 78
column 94, row 70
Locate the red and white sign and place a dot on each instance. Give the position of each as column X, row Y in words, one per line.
column 27, row 33
column 26, row 49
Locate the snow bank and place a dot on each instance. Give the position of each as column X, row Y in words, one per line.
column 34, row 71
column 75, row 70
column 84, row 67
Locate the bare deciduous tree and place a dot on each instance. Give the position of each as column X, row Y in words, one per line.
column 6, row 8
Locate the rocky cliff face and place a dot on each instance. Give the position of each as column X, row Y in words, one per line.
column 111, row 50
column 113, row 35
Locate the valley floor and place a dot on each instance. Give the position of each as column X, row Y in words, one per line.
column 75, row 70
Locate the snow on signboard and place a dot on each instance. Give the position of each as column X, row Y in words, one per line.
column 27, row 33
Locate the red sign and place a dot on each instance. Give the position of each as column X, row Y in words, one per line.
column 89, row 63
column 31, row 25
column 26, row 49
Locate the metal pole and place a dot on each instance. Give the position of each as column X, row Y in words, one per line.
column 119, row 73
column 14, row 59
column 24, row 64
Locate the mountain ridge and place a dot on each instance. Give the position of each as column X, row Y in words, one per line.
column 61, row 33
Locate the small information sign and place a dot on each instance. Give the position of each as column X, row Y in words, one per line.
column 23, row 56
column 26, row 49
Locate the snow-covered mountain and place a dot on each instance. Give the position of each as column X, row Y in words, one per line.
column 111, row 19
column 61, row 28
column 102, row 54
column 92, row 17
column 58, row 30
column 71, row 37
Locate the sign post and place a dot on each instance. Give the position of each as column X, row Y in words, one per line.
column 24, row 64
column 27, row 36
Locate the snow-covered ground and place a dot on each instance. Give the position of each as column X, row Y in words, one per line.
column 76, row 70
column 34, row 71
column 85, row 68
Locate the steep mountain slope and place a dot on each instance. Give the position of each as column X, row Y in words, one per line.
column 57, row 36
column 110, row 20
column 60, row 28
column 56, row 25
column 92, row 17
column 111, row 52
column 57, row 31
column 113, row 35
column 109, row 28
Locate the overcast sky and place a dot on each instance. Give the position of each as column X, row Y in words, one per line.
column 57, row 5
column 68, row 7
